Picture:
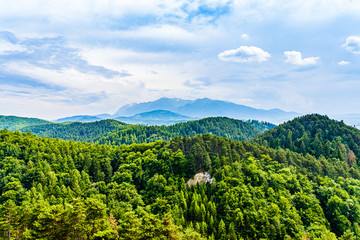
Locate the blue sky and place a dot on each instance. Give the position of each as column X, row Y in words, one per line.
column 61, row 58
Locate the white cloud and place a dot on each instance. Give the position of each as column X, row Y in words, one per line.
column 246, row 100
column 294, row 57
column 343, row 62
column 178, row 39
column 71, row 79
column 115, row 58
column 244, row 54
column 352, row 44
column 7, row 47
column 244, row 36
column 94, row 13
column 161, row 32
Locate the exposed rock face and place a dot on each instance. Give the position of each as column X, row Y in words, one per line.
column 200, row 178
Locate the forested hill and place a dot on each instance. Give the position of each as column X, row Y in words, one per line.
column 77, row 131
column 117, row 133
column 54, row 189
column 220, row 126
column 15, row 123
column 317, row 135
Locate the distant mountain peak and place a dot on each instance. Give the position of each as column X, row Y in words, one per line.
column 156, row 117
column 78, row 118
column 161, row 112
column 167, row 110
column 206, row 107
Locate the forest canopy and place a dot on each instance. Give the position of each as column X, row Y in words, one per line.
column 56, row 189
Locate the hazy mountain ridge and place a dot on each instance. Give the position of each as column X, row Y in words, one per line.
column 201, row 108
column 168, row 104
column 79, row 118
column 189, row 109
column 156, row 117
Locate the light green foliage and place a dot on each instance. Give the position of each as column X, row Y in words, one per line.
column 13, row 123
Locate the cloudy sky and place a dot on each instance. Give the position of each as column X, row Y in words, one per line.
column 70, row 57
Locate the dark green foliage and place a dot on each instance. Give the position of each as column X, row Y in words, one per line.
column 77, row 131
column 112, row 132
column 13, row 123
column 219, row 126
column 55, row 189
column 316, row 135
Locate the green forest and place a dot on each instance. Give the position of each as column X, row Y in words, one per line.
column 219, row 126
column 13, row 123
column 317, row 135
column 113, row 132
column 282, row 184
column 77, row 131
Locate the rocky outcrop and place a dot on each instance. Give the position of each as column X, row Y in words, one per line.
column 200, row 178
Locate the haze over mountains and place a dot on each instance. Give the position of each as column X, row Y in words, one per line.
column 79, row 118
column 206, row 107
column 173, row 110
column 156, row 117
column 168, row 111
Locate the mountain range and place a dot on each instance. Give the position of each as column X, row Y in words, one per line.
column 167, row 111
column 155, row 117
column 201, row 108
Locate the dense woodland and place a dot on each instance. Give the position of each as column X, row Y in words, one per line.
column 13, row 123
column 56, row 189
column 77, row 131
column 219, row 126
column 317, row 135
column 113, row 132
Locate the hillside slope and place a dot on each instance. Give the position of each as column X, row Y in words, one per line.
column 316, row 135
column 13, row 123
column 220, row 126
column 77, row 131
column 114, row 132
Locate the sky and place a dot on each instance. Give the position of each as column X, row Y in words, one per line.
column 72, row 57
